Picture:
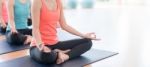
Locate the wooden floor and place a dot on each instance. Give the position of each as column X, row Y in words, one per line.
column 16, row 54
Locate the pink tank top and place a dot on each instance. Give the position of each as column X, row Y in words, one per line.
column 4, row 12
column 48, row 23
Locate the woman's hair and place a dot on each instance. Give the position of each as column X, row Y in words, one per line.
column 16, row 38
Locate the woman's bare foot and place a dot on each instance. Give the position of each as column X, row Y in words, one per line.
column 63, row 51
column 62, row 57
column 46, row 49
column 28, row 40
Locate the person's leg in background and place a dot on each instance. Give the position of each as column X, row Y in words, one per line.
column 29, row 22
column 3, row 28
column 25, row 31
column 17, row 38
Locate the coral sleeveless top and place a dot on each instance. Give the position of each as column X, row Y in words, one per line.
column 4, row 12
column 48, row 23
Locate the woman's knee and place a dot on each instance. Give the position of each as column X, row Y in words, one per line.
column 88, row 43
column 15, row 38
column 49, row 57
column 43, row 57
column 3, row 30
column 35, row 53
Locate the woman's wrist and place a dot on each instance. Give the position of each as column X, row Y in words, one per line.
column 13, row 30
column 83, row 36
column 40, row 44
column 1, row 21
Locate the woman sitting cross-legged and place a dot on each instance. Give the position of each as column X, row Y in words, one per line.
column 45, row 47
column 18, row 13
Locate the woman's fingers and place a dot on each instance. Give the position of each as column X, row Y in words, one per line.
column 91, row 33
column 14, row 32
column 92, row 36
column 63, row 51
column 58, row 59
column 28, row 40
column 46, row 49
column 40, row 47
column 66, row 51
column 3, row 25
column 62, row 57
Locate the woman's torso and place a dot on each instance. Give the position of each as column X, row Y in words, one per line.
column 48, row 23
column 21, row 14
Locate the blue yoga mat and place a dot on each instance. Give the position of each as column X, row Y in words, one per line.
column 6, row 48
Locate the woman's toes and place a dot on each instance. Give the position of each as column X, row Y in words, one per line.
column 58, row 59
column 66, row 51
column 62, row 58
column 62, row 51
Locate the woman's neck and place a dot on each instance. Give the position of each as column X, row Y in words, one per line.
column 23, row 1
column 51, row 4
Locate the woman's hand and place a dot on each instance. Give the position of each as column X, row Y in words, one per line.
column 62, row 51
column 3, row 25
column 44, row 48
column 41, row 46
column 14, row 31
column 91, row 36
column 62, row 57
column 28, row 40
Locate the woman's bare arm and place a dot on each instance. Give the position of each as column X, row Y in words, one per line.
column 11, row 15
column 1, row 18
column 66, row 27
column 73, row 31
column 35, row 14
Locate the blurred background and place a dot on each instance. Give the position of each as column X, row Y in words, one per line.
column 122, row 25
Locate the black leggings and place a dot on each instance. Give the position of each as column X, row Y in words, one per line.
column 22, row 31
column 25, row 31
column 19, row 38
column 3, row 30
column 29, row 22
column 77, row 46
